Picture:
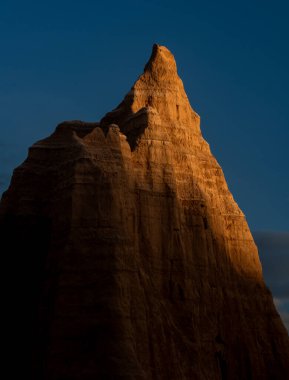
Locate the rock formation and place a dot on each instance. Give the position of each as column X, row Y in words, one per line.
column 130, row 258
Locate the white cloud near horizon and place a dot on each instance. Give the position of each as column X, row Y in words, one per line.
column 274, row 254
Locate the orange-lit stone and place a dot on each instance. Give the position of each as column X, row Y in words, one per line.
column 143, row 266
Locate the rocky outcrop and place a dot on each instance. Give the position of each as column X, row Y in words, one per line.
column 133, row 259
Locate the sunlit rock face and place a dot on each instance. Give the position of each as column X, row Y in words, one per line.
column 133, row 259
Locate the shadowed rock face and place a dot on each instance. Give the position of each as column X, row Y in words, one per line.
column 133, row 259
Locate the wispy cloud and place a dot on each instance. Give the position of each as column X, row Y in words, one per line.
column 282, row 304
column 285, row 318
column 274, row 254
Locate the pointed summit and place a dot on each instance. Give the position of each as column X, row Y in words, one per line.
column 158, row 91
column 162, row 64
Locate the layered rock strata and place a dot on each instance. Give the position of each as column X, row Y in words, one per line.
column 139, row 263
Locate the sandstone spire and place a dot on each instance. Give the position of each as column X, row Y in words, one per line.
column 142, row 264
column 159, row 89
